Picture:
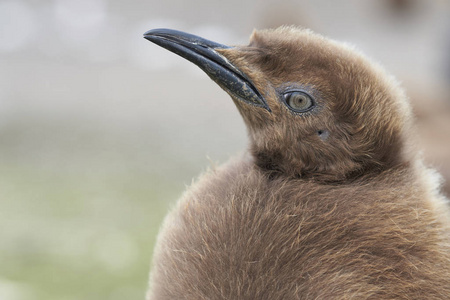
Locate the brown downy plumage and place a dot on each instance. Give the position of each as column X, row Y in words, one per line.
column 330, row 202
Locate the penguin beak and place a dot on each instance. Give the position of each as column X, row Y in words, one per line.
column 203, row 53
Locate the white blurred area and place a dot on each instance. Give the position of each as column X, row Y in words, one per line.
column 84, row 66
column 100, row 129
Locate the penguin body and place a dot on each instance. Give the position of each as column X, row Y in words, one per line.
column 331, row 200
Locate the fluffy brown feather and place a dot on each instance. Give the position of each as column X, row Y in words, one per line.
column 352, row 216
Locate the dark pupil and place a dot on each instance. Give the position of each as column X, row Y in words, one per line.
column 298, row 100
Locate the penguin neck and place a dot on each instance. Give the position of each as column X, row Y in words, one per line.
column 276, row 165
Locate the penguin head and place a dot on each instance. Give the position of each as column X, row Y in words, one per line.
column 314, row 108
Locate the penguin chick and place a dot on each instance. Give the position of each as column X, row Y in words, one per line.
column 330, row 201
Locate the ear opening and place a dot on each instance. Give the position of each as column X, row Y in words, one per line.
column 323, row 134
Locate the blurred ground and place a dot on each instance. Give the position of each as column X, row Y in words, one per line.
column 100, row 130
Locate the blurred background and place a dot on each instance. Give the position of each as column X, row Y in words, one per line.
column 100, row 130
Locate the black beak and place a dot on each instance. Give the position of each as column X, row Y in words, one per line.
column 202, row 53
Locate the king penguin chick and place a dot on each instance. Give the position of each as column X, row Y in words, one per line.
column 331, row 200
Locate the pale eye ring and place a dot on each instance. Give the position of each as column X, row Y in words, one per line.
column 298, row 101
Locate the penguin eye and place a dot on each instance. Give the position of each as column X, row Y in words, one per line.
column 298, row 101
